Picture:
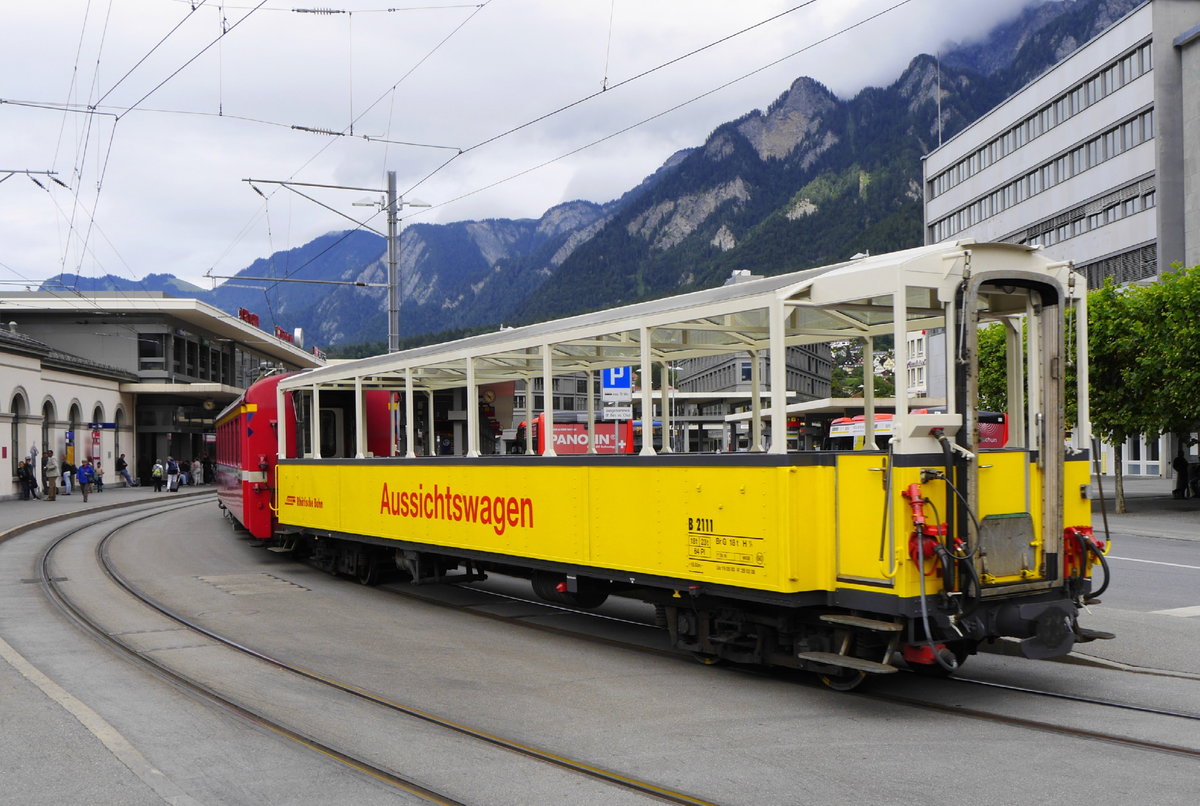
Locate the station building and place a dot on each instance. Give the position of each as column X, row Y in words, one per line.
column 1097, row 160
column 140, row 374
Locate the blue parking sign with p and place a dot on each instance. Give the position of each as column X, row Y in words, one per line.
column 616, row 378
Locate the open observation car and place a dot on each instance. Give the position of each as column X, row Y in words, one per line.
column 841, row 562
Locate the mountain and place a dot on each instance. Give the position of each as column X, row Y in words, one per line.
column 166, row 283
column 811, row 180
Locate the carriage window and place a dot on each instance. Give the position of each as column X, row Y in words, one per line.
column 331, row 434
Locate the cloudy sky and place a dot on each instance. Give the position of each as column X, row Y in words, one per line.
column 151, row 113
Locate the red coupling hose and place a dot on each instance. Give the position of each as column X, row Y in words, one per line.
column 923, row 543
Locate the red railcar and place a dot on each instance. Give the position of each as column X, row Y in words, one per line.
column 246, row 451
column 247, row 447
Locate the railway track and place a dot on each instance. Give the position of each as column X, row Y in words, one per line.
column 883, row 695
column 888, row 701
column 610, row 784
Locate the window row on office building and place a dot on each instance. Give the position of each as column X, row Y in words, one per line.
column 1132, row 132
column 1107, row 209
column 1102, row 83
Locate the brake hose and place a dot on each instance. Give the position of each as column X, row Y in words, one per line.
column 1086, row 546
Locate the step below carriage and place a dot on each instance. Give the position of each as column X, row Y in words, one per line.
column 841, row 562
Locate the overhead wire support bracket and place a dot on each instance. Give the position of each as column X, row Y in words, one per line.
column 357, row 283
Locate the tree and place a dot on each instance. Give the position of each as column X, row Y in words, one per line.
column 1120, row 390
column 1169, row 357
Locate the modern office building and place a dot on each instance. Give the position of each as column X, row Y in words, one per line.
column 1092, row 160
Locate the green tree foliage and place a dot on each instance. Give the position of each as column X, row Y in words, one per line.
column 1118, row 391
column 993, row 369
column 1168, row 360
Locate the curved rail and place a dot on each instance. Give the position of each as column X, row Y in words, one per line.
column 901, row 699
column 58, row 596
column 572, row 765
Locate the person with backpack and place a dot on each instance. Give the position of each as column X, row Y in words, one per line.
column 172, row 475
column 156, row 475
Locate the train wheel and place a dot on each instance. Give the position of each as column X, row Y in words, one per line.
column 846, row 680
column 368, row 571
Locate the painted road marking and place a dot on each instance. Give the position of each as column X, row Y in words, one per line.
column 1155, row 562
column 1183, row 612
column 109, row 736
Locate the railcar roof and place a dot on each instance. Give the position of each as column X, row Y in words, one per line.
column 828, row 303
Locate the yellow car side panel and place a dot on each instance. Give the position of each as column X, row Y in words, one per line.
column 785, row 529
column 725, row 525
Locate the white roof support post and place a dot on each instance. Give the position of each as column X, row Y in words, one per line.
column 472, row 410
column 280, row 425
column 647, row 395
column 756, row 429
column 591, row 411
column 1083, row 412
column 899, row 364
column 951, row 351
column 529, row 415
column 664, row 391
column 777, row 316
column 548, row 400
column 360, row 424
column 410, row 427
column 1037, row 399
column 314, row 422
column 869, row 394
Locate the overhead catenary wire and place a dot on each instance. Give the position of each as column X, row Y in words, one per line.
column 623, row 130
column 643, row 121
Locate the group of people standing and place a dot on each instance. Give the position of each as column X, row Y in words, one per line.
column 177, row 473
column 89, row 476
column 85, row 477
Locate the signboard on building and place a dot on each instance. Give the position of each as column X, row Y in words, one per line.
column 617, row 413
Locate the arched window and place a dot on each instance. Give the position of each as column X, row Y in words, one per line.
column 19, row 409
column 48, row 418
column 94, row 450
column 73, row 427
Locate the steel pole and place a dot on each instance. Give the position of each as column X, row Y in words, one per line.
column 393, row 259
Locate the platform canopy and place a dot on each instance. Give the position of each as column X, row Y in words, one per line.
column 891, row 294
column 831, row 303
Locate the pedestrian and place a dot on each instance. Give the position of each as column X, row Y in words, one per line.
column 23, row 479
column 68, row 475
column 156, row 475
column 1180, row 466
column 99, row 477
column 197, row 472
column 85, row 476
column 172, row 475
column 31, row 480
column 207, row 468
column 123, row 471
column 51, row 474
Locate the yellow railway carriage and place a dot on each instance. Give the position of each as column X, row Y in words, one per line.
column 841, row 562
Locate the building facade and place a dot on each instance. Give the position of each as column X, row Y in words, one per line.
column 1091, row 161
column 141, row 374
